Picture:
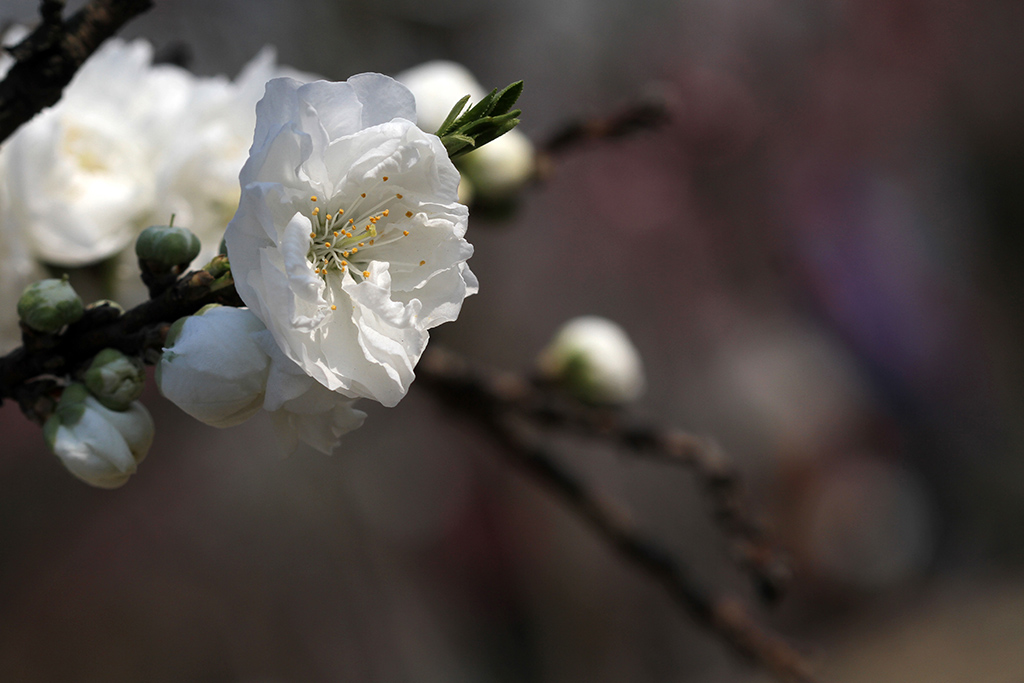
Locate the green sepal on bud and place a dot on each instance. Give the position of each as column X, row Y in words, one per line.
column 48, row 305
column 68, row 413
column 163, row 247
column 115, row 379
column 486, row 120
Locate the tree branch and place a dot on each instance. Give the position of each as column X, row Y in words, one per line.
column 137, row 331
column 499, row 403
column 545, row 406
column 49, row 57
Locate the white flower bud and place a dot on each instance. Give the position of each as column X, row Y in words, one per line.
column 102, row 447
column 502, row 167
column 595, row 360
column 213, row 368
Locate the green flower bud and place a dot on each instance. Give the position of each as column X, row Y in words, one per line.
column 115, row 379
column 167, row 246
column 48, row 305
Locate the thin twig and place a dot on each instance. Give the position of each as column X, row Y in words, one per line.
column 545, row 406
column 492, row 403
column 49, row 57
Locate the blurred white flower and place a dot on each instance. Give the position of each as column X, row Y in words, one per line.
column 497, row 170
column 81, row 175
column 222, row 365
column 595, row 360
column 213, row 367
column 197, row 173
column 349, row 238
column 102, row 447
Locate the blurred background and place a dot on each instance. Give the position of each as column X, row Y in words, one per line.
column 819, row 259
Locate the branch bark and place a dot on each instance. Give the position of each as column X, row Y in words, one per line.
column 507, row 407
column 49, row 57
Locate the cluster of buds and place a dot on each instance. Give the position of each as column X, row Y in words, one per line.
column 98, row 428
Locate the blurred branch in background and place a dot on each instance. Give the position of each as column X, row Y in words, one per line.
column 639, row 116
column 49, row 57
column 511, row 409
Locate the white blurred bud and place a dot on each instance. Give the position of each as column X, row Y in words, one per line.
column 501, row 167
column 102, row 447
column 212, row 366
column 498, row 169
column 593, row 358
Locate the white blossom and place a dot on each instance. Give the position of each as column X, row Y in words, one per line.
column 349, row 238
column 595, row 360
column 497, row 170
column 81, row 175
column 102, row 447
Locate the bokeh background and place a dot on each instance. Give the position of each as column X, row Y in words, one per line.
column 819, row 258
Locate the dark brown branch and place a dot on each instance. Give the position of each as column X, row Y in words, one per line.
column 547, row 407
column 636, row 117
column 139, row 330
column 49, row 57
column 496, row 401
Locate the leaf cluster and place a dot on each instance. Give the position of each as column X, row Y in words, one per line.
column 486, row 120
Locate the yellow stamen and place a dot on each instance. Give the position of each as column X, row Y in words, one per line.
column 399, row 196
column 316, row 210
column 422, row 262
column 366, row 273
column 385, row 212
column 334, row 308
column 313, row 198
column 405, row 232
column 363, row 195
column 385, row 179
column 312, row 235
column 408, row 214
column 327, row 244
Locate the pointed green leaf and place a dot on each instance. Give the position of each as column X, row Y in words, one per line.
column 452, row 115
column 477, row 111
column 506, row 98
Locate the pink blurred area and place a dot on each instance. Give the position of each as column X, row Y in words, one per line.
column 819, row 258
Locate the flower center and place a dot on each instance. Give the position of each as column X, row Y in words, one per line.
column 346, row 236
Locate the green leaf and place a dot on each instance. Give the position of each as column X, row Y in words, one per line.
column 477, row 111
column 506, row 98
column 444, row 128
column 457, row 144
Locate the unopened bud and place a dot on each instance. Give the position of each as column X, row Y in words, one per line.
column 212, row 366
column 48, row 305
column 167, row 246
column 594, row 360
column 101, row 447
column 115, row 379
column 500, row 168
